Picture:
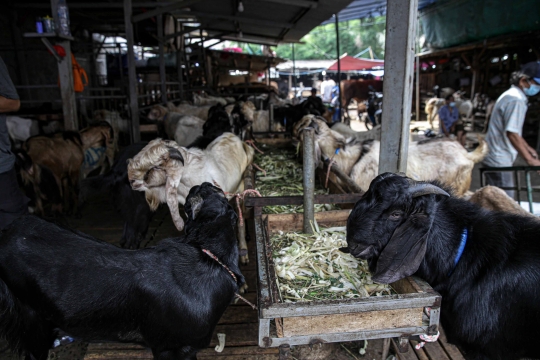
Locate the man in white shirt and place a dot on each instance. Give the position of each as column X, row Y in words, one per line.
column 326, row 89
column 505, row 126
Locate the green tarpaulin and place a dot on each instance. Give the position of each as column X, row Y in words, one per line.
column 455, row 22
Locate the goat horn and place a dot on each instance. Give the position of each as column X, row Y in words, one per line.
column 420, row 188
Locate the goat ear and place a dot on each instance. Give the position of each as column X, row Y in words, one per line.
column 196, row 204
column 405, row 251
column 175, row 154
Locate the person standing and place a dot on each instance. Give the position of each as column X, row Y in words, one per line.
column 12, row 201
column 326, row 89
column 449, row 120
column 505, row 127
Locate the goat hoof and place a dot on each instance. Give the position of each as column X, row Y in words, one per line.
column 244, row 260
column 243, row 289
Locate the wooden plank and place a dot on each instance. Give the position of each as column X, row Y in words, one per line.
column 289, row 222
column 420, row 352
column 237, row 334
column 240, row 353
column 451, row 350
column 299, row 200
column 355, row 322
column 434, row 351
column 406, row 286
column 401, row 21
column 409, row 355
column 239, row 315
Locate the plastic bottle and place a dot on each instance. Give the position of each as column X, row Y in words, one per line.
column 63, row 18
column 39, row 26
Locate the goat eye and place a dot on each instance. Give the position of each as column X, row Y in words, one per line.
column 395, row 215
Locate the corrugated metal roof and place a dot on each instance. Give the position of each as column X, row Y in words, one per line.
column 360, row 9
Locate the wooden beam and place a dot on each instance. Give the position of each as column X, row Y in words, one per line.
column 94, row 5
column 164, row 9
column 401, row 23
column 132, row 75
column 301, row 3
column 245, row 20
column 65, row 73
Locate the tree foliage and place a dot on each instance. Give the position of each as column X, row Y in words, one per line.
column 354, row 36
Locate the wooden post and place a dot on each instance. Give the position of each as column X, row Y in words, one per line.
column 162, row 73
column 401, row 20
column 65, row 73
column 338, row 67
column 179, row 55
column 309, row 179
column 132, row 75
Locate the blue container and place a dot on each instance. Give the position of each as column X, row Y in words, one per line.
column 39, row 26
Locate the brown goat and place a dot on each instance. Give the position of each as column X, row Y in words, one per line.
column 496, row 199
column 62, row 154
column 98, row 136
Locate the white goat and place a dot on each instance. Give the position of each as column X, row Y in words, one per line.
column 20, row 129
column 260, row 122
column 443, row 160
column 185, row 109
column 184, row 129
column 166, row 171
column 200, row 100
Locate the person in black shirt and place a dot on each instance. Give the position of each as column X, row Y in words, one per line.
column 12, row 201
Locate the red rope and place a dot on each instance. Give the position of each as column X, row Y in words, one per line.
column 258, row 168
column 215, row 258
column 252, row 143
column 241, row 196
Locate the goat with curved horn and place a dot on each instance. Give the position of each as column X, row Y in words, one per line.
column 486, row 265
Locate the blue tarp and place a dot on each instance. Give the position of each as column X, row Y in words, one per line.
column 360, row 9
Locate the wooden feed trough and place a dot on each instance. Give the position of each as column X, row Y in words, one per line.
column 282, row 324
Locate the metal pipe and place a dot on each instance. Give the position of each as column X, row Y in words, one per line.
column 338, row 51
column 529, row 191
column 270, row 116
column 309, row 180
column 294, row 69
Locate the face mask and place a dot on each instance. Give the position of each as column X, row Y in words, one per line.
column 532, row 90
column 452, row 104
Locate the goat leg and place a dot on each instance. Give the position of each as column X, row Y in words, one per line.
column 172, row 202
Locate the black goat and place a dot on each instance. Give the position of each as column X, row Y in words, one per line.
column 290, row 115
column 218, row 123
column 486, row 265
column 131, row 205
column 169, row 297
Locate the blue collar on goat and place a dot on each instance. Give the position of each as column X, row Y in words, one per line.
column 463, row 242
column 491, row 303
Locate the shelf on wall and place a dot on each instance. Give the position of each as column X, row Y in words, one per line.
column 48, row 35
